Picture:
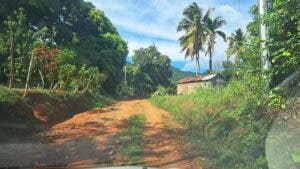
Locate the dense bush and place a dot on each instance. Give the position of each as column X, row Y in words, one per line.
column 160, row 91
column 149, row 70
column 11, row 104
column 227, row 125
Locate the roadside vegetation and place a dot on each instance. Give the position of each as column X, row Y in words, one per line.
column 70, row 51
column 41, row 107
column 14, row 107
column 229, row 125
column 130, row 147
column 149, row 70
column 226, row 125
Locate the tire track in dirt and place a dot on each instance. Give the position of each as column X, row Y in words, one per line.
column 87, row 139
column 162, row 148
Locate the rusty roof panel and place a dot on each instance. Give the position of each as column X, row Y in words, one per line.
column 196, row 79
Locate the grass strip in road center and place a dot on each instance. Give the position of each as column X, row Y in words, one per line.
column 130, row 148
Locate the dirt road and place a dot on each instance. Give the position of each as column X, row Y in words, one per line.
column 87, row 140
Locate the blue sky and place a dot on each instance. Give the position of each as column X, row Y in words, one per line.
column 144, row 22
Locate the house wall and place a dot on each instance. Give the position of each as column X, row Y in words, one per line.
column 188, row 88
column 180, row 89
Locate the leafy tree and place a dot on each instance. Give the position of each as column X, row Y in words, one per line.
column 149, row 70
column 82, row 33
column 178, row 74
column 283, row 23
column 47, row 59
column 17, row 35
column 213, row 24
column 236, row 47
column 89, row 79
column 150, row 61
column 66, row 74
column 195, row 33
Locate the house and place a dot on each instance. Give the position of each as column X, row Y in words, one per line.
column 188, row 85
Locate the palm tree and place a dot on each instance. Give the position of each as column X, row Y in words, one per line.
column 195, row 33
column 213, row 25
column 236, row 47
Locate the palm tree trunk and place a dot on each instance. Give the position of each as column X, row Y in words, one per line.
column 11, row 56
column 28, row 74
column 210, row 61
column 198, row 64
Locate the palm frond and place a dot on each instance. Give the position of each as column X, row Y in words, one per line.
column 222, row 34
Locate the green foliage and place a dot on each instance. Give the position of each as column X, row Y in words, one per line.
column 90, row 78
column 178, row 74
column 196, row 33
column 17, row 109
column 8, row 99
column 284, row 37
column 149, row 70
column 125, row 90
column 237, row 42
column 84, row 36
column 16, row 46
column 227, row 125
column 213, row 24
column 67, row 56
column 66, row 75
column 161, row 91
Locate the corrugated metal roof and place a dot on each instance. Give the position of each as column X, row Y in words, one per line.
column 208, row 77
column 196, row 79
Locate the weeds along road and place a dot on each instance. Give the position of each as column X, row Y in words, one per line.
column 90, row 138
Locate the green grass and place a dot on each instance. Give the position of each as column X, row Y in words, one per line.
column 228, row 126
column 130, row 140
column 11, row 104
column 56, row 105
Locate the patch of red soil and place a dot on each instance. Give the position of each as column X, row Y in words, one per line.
column 38, row 113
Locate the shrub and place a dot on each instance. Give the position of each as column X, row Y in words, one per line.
column 226, row 125
column 160, row 91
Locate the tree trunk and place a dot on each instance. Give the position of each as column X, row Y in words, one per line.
column 42, row 78
column 210, row 61
column 11, row 56
column 28, row 74
column 196, row 64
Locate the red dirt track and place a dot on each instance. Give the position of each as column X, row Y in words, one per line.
column 86, row 139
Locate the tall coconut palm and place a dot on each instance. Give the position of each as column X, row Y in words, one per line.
column 195, row 33
column 213, row 24
column 236, row 47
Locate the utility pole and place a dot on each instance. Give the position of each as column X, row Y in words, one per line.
column 263, row 35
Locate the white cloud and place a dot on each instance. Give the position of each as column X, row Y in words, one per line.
column 170, row 49
column 156, row 20
column 228, row 13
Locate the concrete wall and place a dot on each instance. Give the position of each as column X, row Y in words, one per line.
column 188, row 88
column 180, row 89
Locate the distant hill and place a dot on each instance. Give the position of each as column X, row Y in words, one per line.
column 179, row 74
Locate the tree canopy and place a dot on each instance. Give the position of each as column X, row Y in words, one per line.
column 150, row 69
column 85, row 39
